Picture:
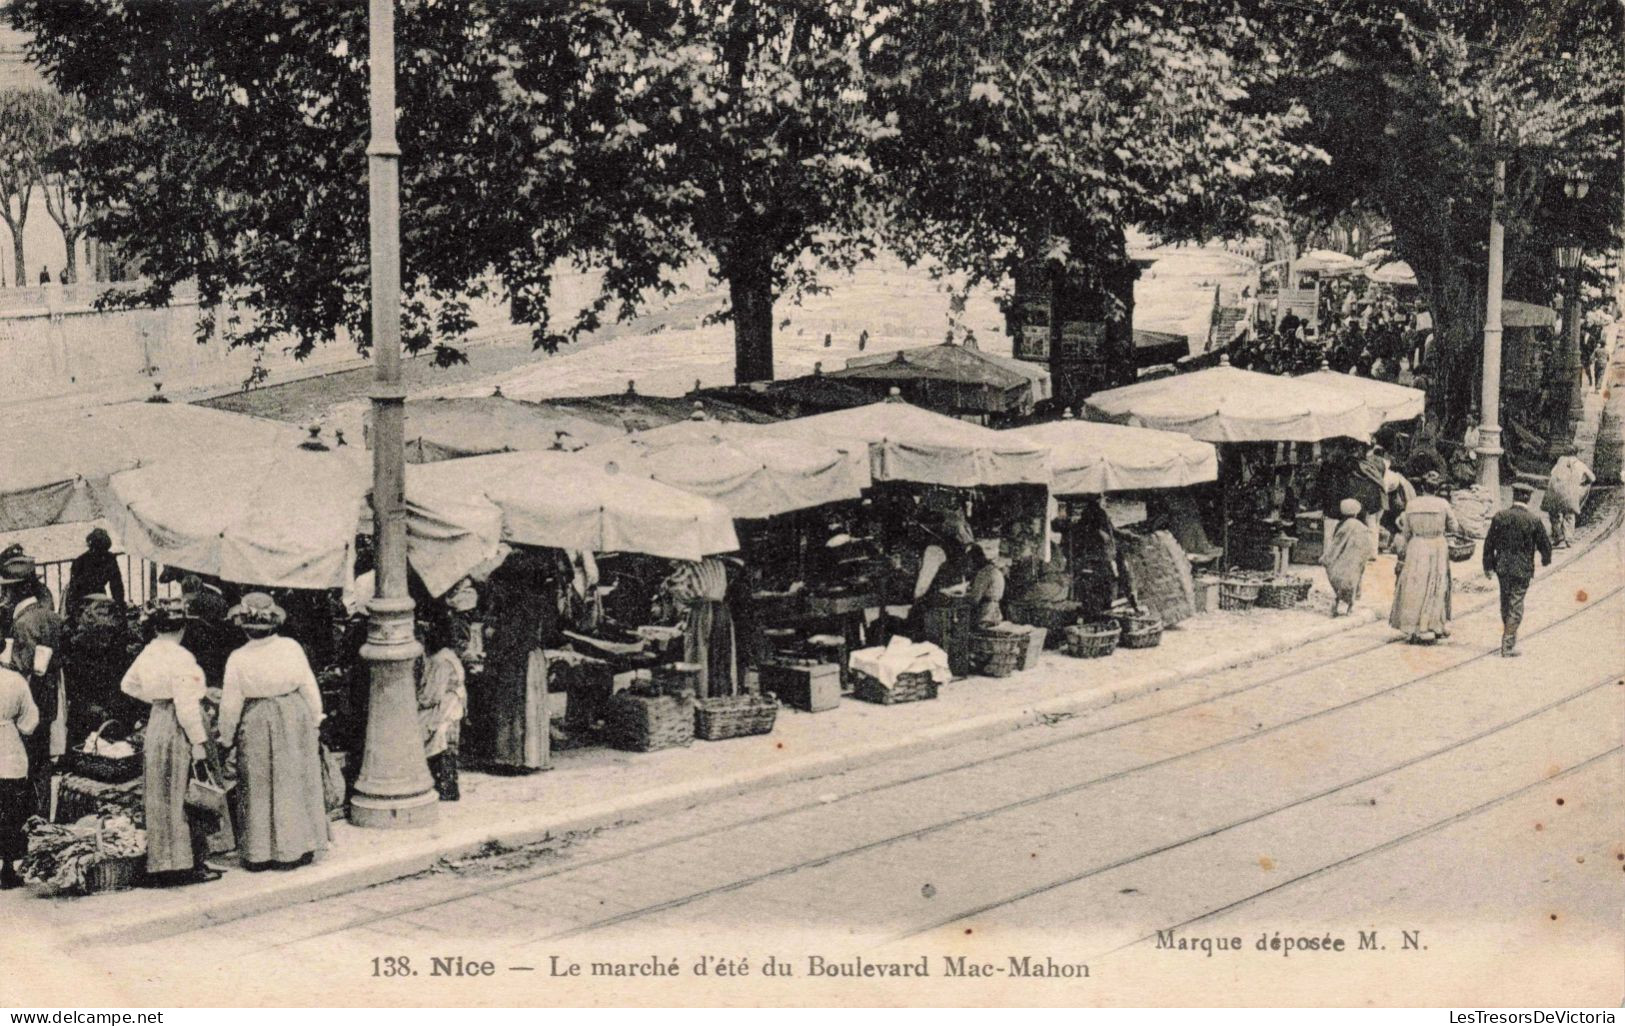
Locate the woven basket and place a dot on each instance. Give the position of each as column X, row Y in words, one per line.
column 1283, row 592
column 1053, row 616
column 1140, row 630
column 1092, row 640
column 1236, row 595
column 997, row 653
column 910, row 687
column 105, row 768
column 112, row 874
column 1462, row 549
column 717, row 719
column 647, row 723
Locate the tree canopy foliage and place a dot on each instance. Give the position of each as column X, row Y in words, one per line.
column 1414, row 103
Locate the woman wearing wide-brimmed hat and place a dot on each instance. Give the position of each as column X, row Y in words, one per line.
column 166, row 677
column 269, row 710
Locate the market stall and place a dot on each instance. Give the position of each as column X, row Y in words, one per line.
column 1099, row 563
column 943, row 488
column 1272, row 428
column 609, row 571
column 1387, row 401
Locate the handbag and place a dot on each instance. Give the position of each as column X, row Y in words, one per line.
column 210, row 798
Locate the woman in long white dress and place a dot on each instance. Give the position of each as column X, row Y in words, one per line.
column 270, row 710
column 1421, row 608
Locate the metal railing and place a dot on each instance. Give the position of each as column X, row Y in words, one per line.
column 140, row 579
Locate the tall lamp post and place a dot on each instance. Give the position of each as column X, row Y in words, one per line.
column 394, row 788
column 1571, row 259
column 1489, row 430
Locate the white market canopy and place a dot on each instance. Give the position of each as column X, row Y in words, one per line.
column 445, row 429
column 753, row 474
column 572, row 501
column 56, row 470
column 907, row 443
column 1092, row 458
column 288, row 519
column 1227, row 404
column 1396, row 273
column 1387, row 400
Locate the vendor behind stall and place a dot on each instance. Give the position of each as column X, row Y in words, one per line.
column 701, row 590
column 507, row 709
column 1092, row 544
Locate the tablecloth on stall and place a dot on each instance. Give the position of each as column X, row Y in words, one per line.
column 901, row 655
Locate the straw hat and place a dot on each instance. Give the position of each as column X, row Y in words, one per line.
column 17, row 568
column 258, row 612
column 167, row 614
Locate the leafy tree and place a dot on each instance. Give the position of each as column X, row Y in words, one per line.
column 1043, row 129
column 62, row 183
column 244, row 166
column 1414, row 104
column 26, row 120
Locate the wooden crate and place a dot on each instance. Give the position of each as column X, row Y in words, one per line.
column 810, row 688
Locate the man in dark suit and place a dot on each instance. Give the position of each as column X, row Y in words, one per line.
column 1515, row 535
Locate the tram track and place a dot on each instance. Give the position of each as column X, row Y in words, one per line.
column 1074, row 788
column 1596, row 603
column 1610, row 680
column 1391, row 844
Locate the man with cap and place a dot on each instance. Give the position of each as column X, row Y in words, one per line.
column 35, row 639
column 1515, row 535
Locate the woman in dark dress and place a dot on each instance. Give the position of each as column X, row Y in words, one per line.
column 506, row 707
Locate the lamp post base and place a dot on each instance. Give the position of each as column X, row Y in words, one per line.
column 394, row 789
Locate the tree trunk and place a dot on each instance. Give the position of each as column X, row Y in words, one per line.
column 73, row 258
column 1458, row 332
column 750, row 287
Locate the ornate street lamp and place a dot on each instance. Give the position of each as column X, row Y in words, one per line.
column 394, row 788
column 1571, row 261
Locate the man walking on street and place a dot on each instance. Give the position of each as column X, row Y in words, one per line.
column 1515, row 535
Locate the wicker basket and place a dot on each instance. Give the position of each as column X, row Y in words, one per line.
column 1053, row 616
column 1140, row 630
column 1238, row 595
column 717, row 719
column 676, row 678
column 112, row 874
column 1283, row 592
column 997, row 653
column 1462, row 549
column 104, row 768
column 910, row 687
column 1092, row 640
column 647, row 723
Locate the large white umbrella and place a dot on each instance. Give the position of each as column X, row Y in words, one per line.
column 1388, row 401
column 751, row 473
column 1396, row 273
column 1227, row 404
column 288, row 518
column 1092, row 458
column 574, row 501
column 907, row 443
column 56, row 469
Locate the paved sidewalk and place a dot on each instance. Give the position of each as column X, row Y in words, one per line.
column 595, row 787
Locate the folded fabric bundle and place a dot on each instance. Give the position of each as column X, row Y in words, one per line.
column 902, row 656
